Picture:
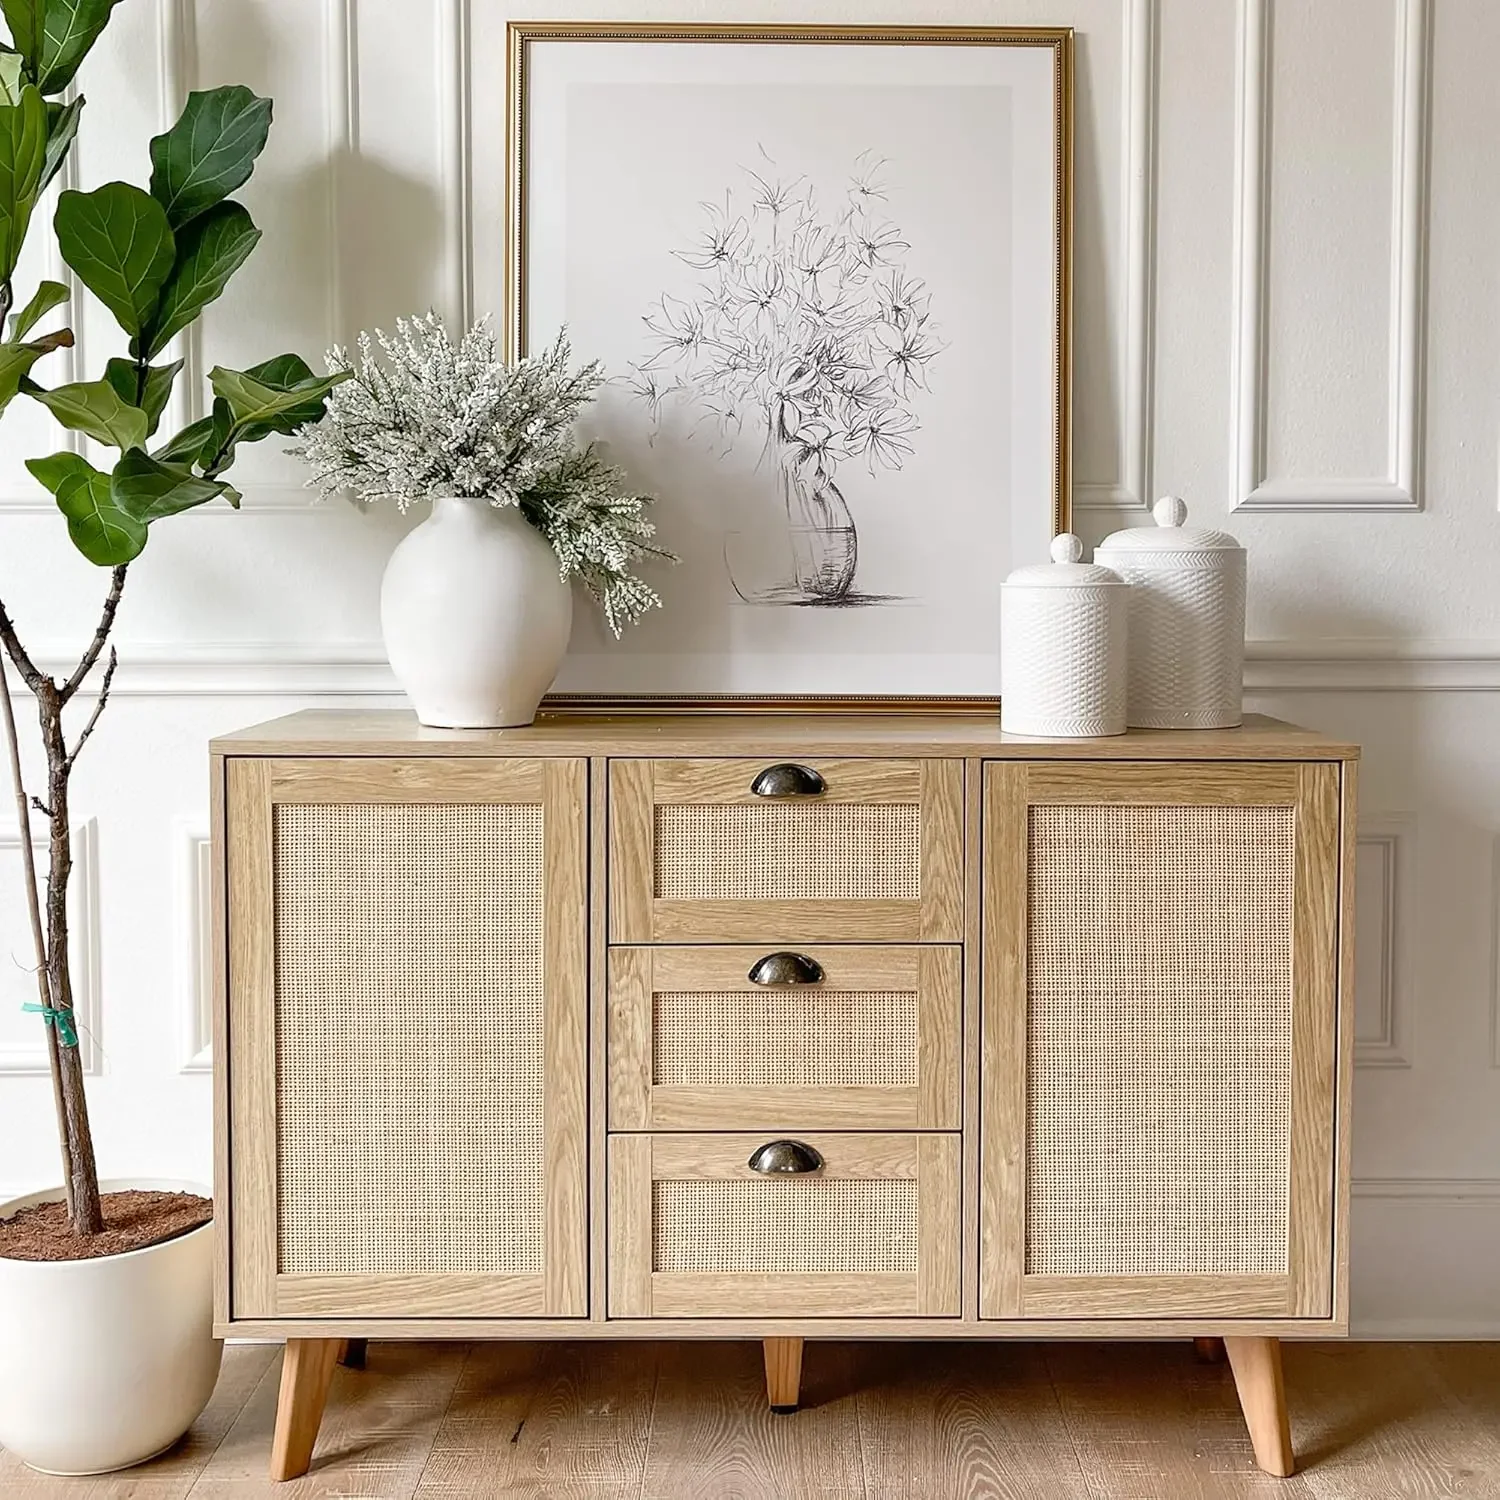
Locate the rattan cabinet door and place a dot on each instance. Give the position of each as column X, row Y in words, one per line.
column 696, row 1232
column 838, row 1038
column 800, row 851
column 1159, row 979
column 407, row 946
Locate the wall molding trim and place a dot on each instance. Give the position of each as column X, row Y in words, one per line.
column 1139, row 91
column 1481, row 1190
column 1391, row 837
column 1399, row 488
column 83, row 936
column 193, row 945
column 341, row 123
column 359, row 668
column 1495, row 953
column 455, row 166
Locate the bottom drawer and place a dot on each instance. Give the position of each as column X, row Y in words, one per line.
column 870, row 1227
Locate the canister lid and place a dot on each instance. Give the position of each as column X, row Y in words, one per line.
column 1066, row 570
column 1169, row 534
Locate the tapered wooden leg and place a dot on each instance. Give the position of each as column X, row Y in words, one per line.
column 1257, row 1377
column 305, row 1373
column 783, row 1372
column 1209, row 1351
column 352, row 1352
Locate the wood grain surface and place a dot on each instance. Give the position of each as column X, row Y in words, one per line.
column 900, row 1421
column 778, row 736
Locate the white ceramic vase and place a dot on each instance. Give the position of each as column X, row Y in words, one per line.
column 105, row 1363
column 475, row 617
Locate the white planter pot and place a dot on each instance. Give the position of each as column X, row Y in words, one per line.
column 104, row 1363
column 475, row 617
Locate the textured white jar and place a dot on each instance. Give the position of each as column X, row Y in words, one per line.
column 1187, row 621
column 104, row 1363
column 1062, row 647
column 475, row 617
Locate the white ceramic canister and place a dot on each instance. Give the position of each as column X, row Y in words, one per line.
column 1063, row 647
column 1187, row 621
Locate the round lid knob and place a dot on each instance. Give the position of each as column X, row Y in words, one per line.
column 1170, row 510
column 1066, row 570
column 1170, row 533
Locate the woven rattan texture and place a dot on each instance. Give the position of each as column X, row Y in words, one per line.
column 833, row 851
column 1159, row 1039
column 784, row 1225
column 801, row 1035
column 409, row 1038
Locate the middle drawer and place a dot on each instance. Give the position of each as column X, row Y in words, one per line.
column 862, row 1038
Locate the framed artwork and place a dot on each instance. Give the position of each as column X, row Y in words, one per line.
column 828, row 274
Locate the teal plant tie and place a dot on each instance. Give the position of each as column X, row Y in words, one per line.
column 62, row 1019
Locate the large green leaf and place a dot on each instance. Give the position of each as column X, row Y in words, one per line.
column 12, row 76
column 200, row 441
column 258, row 401
column 287, row 372
column 209, row 152
column 71, row 28
column 107, row 535
column 95, row 407
column 23, row 154
column 16, row 361
column 148, row 489
column 25, row 19
column 209, row 251
column 119, row 242
column 121, row 374
column 62, row 126
column 48, row 295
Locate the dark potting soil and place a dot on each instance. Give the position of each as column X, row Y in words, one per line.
column 132, row 1221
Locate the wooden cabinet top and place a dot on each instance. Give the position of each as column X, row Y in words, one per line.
column 352, row 732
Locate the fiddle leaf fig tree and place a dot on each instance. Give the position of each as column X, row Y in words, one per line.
column 155, row 257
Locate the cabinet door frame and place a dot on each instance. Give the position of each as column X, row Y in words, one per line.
column 638, row 1290
column 254, row 787
column 636, row 915
column 1010, row 789
column 638, row 1102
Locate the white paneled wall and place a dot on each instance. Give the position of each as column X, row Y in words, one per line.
column 1288, row 298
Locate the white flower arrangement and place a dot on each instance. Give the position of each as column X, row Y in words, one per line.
column 432, row 419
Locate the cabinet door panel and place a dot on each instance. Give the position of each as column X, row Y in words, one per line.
column 1159, row 1007
column 407, row 1003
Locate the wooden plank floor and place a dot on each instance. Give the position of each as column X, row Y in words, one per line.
column 900, row 1421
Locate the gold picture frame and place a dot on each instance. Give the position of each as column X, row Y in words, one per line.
column 522, row 36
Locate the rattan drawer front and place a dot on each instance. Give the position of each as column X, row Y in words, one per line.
column 696, row 1044
column 875, row 853
column 1158, row 1032
column 695, row 1232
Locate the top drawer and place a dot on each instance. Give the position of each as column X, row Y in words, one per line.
column 718, row 851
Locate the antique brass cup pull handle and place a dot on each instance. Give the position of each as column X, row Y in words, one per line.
column 788, row 780
column 786, row 968
column 785, row 1156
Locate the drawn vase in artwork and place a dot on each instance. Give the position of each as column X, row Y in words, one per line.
column 805, row 555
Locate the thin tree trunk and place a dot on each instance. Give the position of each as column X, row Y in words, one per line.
column 87, row 1214
column 38, row 939
column 81, row 1173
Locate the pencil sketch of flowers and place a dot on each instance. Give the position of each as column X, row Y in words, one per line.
column 805, row 327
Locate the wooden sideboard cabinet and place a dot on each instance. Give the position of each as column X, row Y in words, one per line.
column 781, row 1027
